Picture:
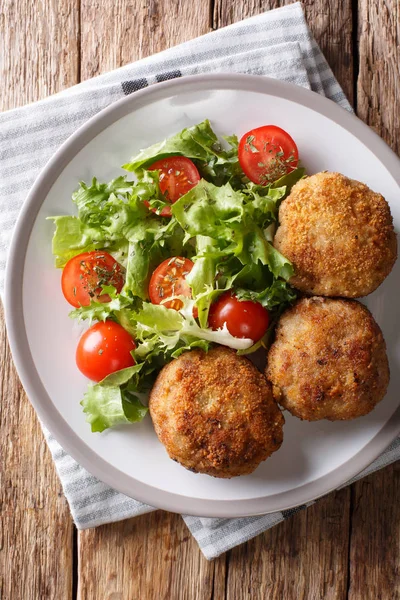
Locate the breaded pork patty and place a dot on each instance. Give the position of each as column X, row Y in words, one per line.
column 328, row 360
column 338, row 234
column 215, row 414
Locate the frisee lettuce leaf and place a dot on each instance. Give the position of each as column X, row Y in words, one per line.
column 215, row 163
column 277, row 294
column 156, row 324
column 234, row 222
column 110, row 208
column 147, row 189
column 100, row 311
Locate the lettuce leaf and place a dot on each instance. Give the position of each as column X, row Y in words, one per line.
column 71, row 237
column 106, row 206
column 277, row 294
column 147, row 189
column 234, row 222
column 289, row 179
column 154, row 325
column 100, row 311
column 202, row 146
column 106, row 212
column 113, row 401
column 197, row 143
column 150, row 242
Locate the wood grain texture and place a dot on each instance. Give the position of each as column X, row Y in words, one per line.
column 115, row 33
column 39, row 49
column 146, row 558
column 330, row 21
column 35, row 524
column 38, row 56
column 303, row 558
column 375, row 540
column 378, row 86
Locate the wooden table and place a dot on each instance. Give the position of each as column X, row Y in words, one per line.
column 348, row 544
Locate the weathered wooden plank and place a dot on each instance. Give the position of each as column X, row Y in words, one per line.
column 303, row 558
column 36, row 529
column 375, row 538
column 378, row 86
column 330, row 22
column 146, row 558
column 38, row 49
column 38, row 56
column 117, row 33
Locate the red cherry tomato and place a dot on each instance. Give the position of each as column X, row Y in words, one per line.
column 243, row 319
column 267, row 153
column 178, row 175
column 169, row 279
column 104, row 349
column 85, row 275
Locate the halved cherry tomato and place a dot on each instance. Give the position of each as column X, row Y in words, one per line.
column 244, row 319
column 86, row 274
column 103, row 349
column 267, row 153
column 169, row 279
column 178, row 175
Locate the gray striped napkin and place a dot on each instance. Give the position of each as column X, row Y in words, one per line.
column 275, row 44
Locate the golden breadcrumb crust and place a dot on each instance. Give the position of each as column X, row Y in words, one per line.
column 215, row 414
column 328, row 360
column 338, row 234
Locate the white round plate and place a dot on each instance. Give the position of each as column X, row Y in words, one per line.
column 315, row 457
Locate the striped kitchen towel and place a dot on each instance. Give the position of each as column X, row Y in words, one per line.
column 275, row 44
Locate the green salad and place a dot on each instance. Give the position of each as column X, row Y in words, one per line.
column 156, row 259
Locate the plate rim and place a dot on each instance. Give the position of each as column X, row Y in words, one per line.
column 23, row 359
